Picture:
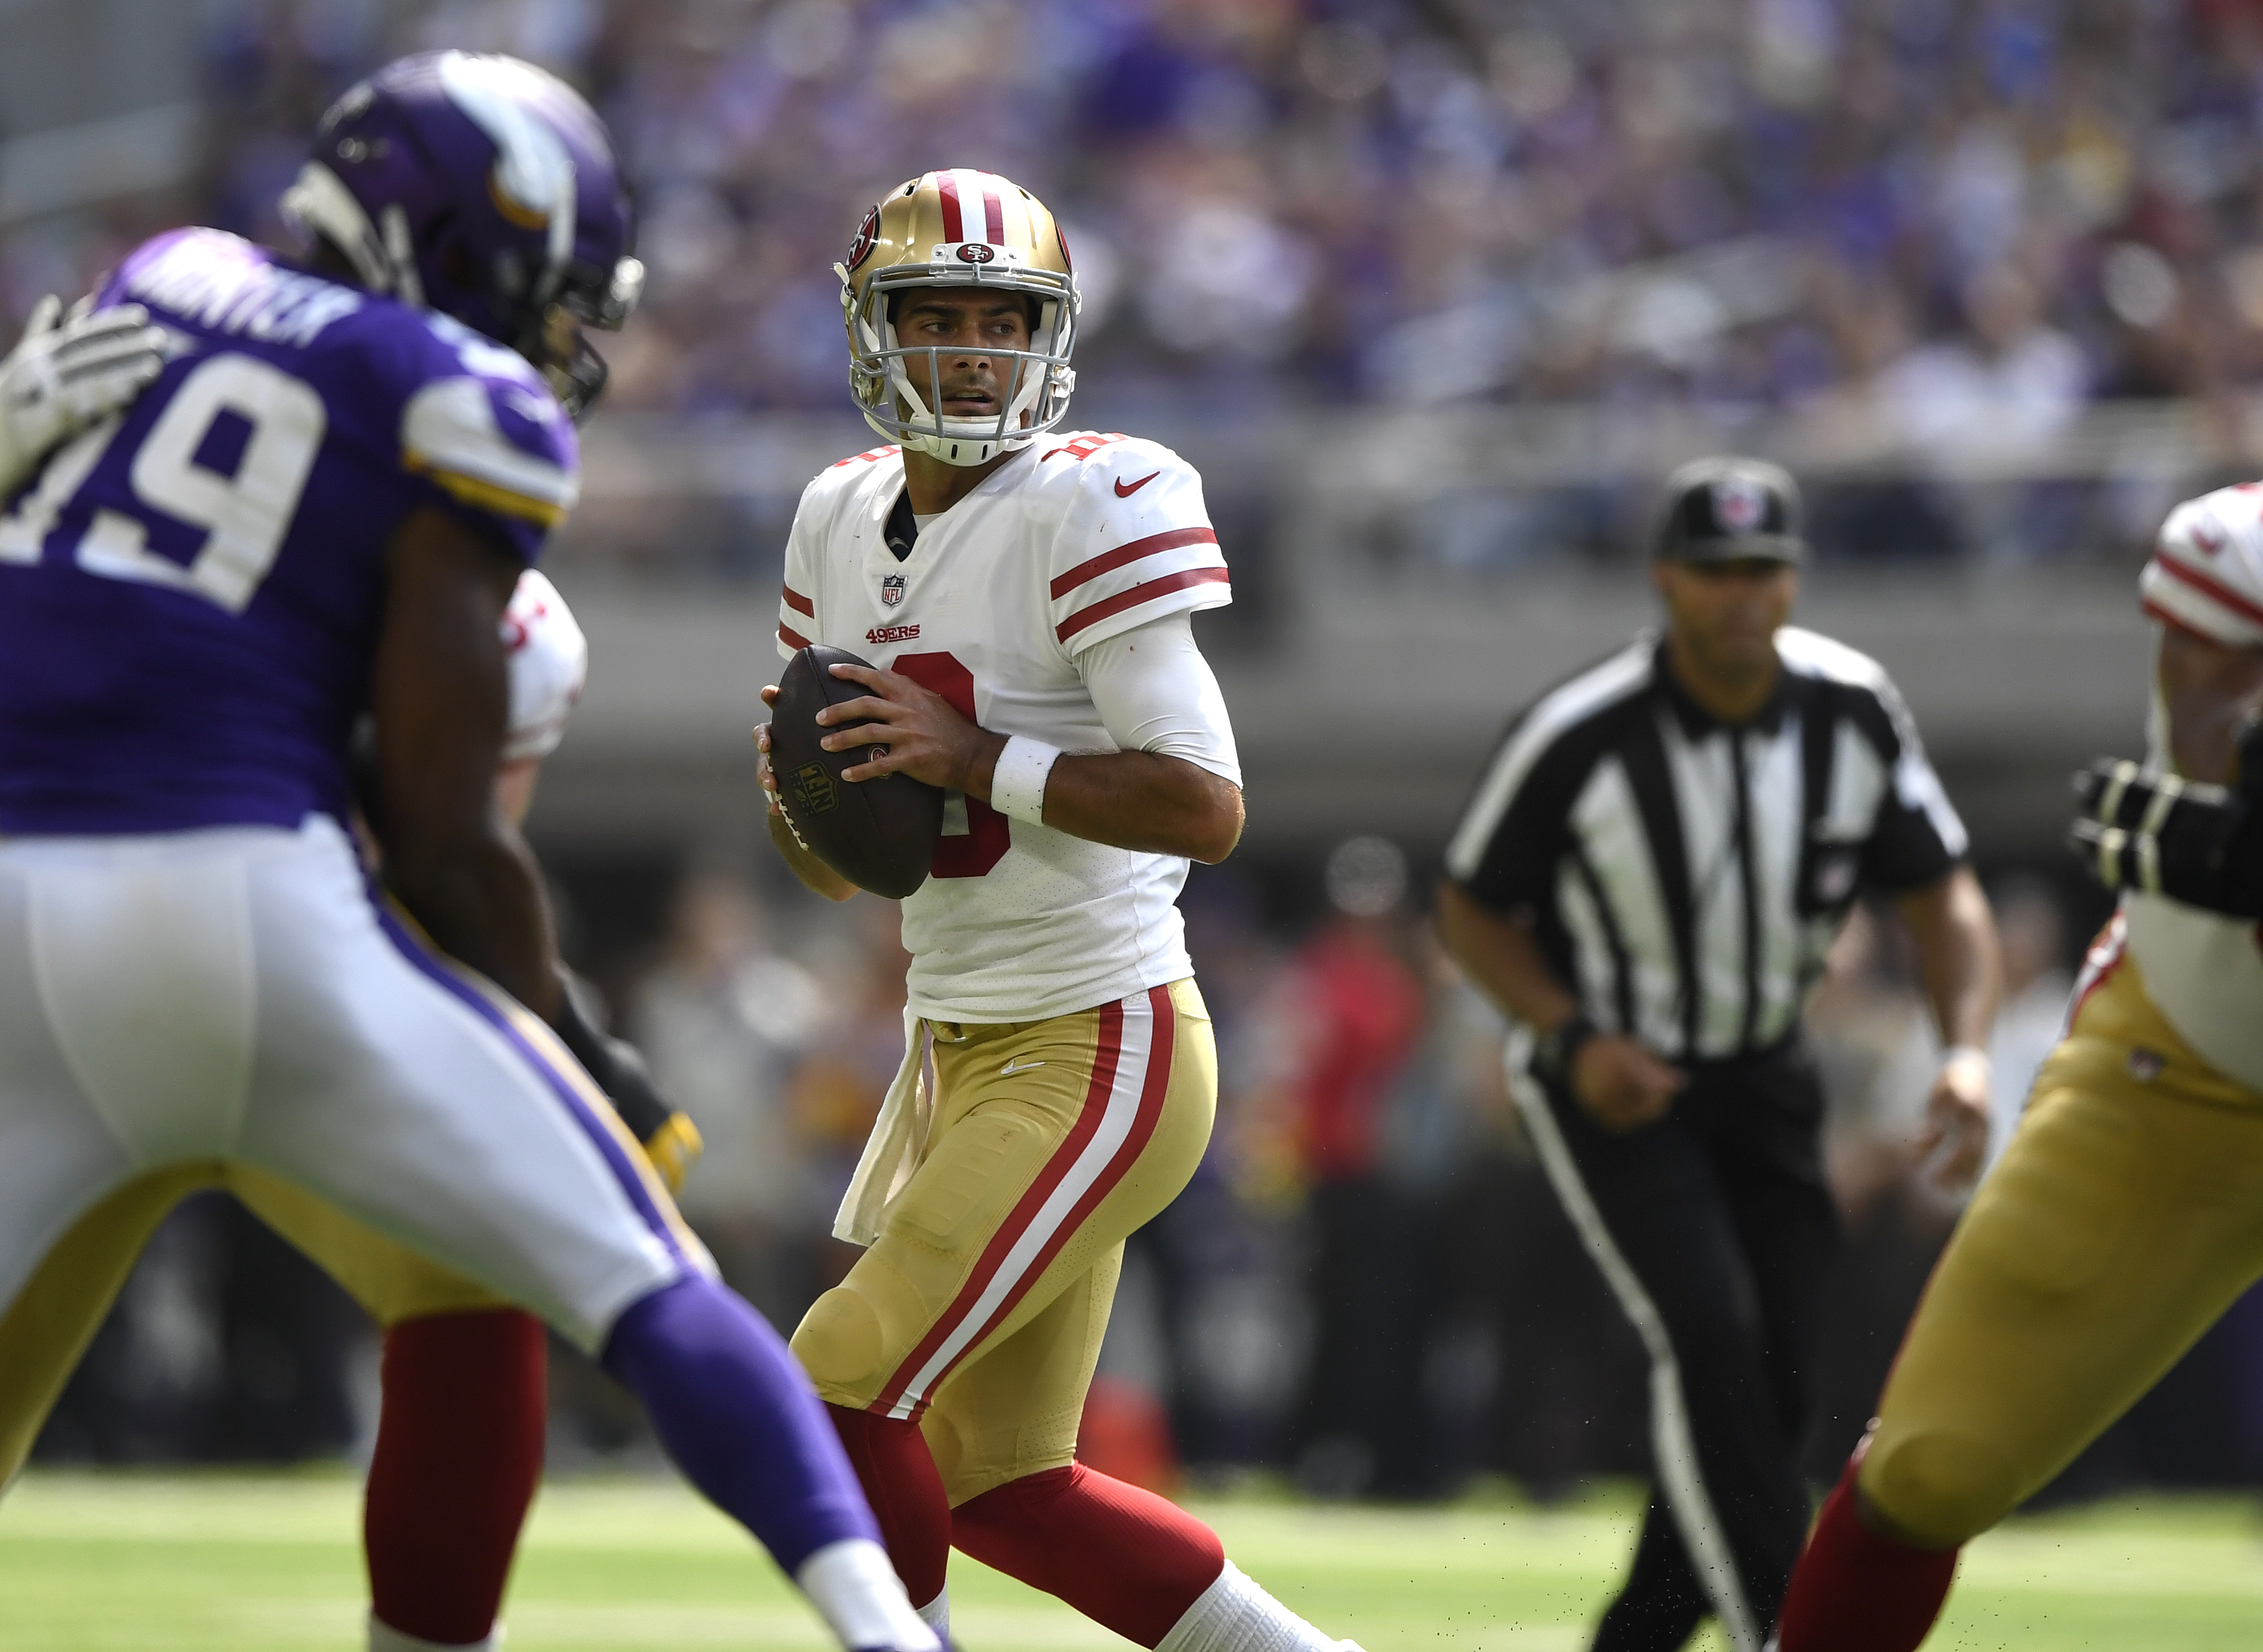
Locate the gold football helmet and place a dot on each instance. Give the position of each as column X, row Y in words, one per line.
column 958, row 227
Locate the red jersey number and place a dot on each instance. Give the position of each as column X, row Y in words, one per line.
column 971, row 854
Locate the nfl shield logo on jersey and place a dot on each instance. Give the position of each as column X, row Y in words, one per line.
column 892, row 589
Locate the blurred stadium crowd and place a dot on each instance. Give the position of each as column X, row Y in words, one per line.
column 1954, row 213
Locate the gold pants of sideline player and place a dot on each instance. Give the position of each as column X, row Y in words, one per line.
column 981, row 1307
column 2124, row 1218
column 62, row 1306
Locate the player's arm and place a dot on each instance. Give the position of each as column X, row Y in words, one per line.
column 2211, row 692
column 1153, row 801
column 1963, row 970
column 1141, row 800
column 441, row 696
column 1615, row 1078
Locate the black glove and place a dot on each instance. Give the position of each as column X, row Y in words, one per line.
column 671, row 1139
column 2196, row 843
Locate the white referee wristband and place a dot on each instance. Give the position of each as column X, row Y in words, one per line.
column 1018, row 785
column 1958, row 1054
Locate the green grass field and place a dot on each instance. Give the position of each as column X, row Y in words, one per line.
column 269, row 1564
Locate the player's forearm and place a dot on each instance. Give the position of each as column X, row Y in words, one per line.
column 813, row 873
column 1141, row 800
column 1504, row 960
column 481, row 900
column 2210, row 689
column 1958, row 956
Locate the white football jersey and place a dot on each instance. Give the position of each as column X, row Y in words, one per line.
column 2203, row 970
column 549, row 664
column 1072, row 541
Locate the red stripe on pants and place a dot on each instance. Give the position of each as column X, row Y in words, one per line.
column 1104, row 1058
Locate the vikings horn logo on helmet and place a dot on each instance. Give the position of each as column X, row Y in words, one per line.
column 483, row 188
column 958, row 227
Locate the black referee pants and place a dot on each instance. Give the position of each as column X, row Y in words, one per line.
column 1714, row 1229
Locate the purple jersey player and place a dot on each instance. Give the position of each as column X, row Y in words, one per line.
column 193, row 592
column 319, row 508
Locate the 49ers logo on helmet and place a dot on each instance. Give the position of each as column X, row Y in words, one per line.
column 977, row 252
column 867, row 232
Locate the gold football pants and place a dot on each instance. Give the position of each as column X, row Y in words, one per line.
column 979, row 1311
column 2124, row 1218
column 62, row 1306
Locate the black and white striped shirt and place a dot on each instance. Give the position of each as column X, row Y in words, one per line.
column 1685, row 876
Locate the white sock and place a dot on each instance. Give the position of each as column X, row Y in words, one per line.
column 383, row 1637
column 937, row 1615
column 1234, row 1615
column 857, row 1593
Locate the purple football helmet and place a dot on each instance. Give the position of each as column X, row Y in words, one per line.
column 486, row 189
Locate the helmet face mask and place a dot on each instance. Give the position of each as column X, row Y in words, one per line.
column 560, row 346
column 914, row 242
column 485, row 189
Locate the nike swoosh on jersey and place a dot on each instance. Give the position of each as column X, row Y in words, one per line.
column 1125, row 491
column 1013, row 1067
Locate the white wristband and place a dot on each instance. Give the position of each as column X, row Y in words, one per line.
column 1958, row 1053
column 1018, row 785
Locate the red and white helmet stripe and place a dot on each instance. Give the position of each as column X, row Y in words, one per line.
column 973, row 205
column 2205, row 575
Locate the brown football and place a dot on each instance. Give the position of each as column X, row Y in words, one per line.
column 880, row 835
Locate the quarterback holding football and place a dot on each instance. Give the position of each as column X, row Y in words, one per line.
column 1023, row 600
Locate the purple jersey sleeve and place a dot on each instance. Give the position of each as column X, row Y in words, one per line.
column 480, row 428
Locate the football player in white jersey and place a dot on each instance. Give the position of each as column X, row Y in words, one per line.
column 1023, row 598
column 2126, row 1214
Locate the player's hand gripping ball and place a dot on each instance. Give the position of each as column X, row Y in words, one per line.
column 880, row 835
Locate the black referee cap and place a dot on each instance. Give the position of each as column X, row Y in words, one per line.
column 1723, row 510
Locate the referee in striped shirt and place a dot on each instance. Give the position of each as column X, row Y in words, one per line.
column 1647, row 879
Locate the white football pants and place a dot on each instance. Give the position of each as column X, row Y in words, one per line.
column 240, row 994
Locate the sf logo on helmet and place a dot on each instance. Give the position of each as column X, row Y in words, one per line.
column 977, row 252
column 1739, row 503
column 867, row 232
